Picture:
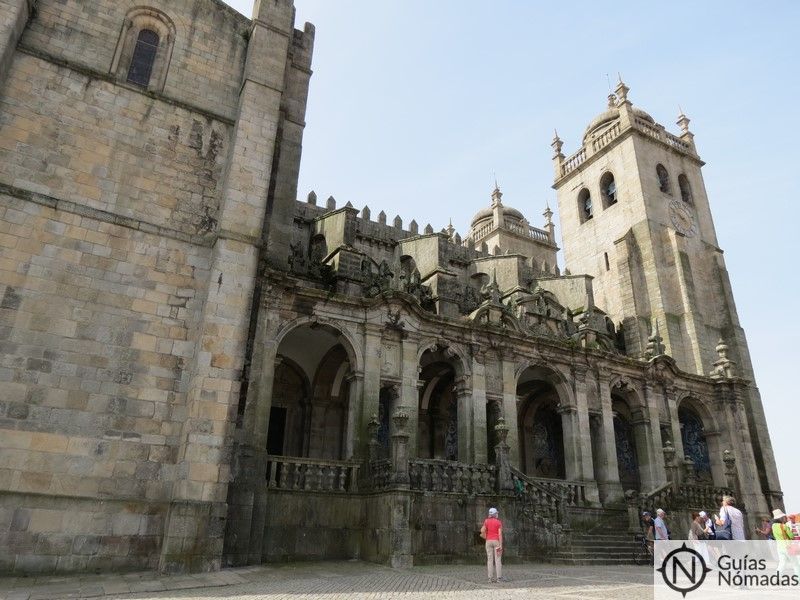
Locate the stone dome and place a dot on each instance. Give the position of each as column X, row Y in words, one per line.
column 486, row 214
column 609, row 116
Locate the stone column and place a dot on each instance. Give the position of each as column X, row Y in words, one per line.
column 501, row 452
column 572, row 453
column 400, row 447
column 370, row 400
column 479, row 424
column 643, row 441
column 409, row 390
column 466, row 420
column 354, row 409
column 741, row 446
column 731, row 480
column 656, row 475
column 608, row 478
column 669, row 461
column 583, row 436
column 510, row 408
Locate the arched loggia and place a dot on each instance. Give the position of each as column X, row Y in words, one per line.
column 437, row 435
column 311, row 394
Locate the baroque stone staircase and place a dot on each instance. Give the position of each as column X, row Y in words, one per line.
column 606, row 543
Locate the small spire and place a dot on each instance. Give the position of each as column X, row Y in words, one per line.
column 497, row 196
column 556, row 144
column 548, row 214
column 683, row 121
column 450, row 229
column 622, row 90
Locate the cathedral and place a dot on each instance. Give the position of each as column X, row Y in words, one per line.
column 198, row 369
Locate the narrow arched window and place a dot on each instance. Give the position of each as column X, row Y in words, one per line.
column 686, row 190
column 585, row 208
column 663, row 179
column 144, row 55
column 608, row 189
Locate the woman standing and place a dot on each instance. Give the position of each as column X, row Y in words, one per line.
column 492, row 532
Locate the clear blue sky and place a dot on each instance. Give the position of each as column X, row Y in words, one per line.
column 415, row 104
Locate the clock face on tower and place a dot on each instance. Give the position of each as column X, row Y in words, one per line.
column 682, row 218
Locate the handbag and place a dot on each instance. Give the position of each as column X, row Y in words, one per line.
column 725, row 532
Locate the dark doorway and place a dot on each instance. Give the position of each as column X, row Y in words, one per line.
column 277, row 427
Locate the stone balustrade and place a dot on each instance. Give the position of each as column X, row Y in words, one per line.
column 606, row 137
column 547, row 501
column 308, row 474
column 683, row 497
column 430, row 475
column 573, row 492
column 677, row 143
column 573, row 162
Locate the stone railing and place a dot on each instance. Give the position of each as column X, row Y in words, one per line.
column 687, row 496
column 539, row 234
column 546, row 502
column 573, row 162
column 677, row 143
column 306, row 474
column 701, row 497
column 447, row 476
column 573, row 492
column 483, row 231
column 661, row 497
column 648, row 128
column 606, row 137
column 378, row 474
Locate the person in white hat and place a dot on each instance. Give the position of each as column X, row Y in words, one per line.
column 492, row 532
column 660, row 526
column 708, row 525
column 783, row 536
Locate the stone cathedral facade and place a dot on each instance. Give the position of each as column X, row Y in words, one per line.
column 199, row 370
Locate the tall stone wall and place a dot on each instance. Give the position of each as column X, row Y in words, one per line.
column 96, row 328
column 130, row 225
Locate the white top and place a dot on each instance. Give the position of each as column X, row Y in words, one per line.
column 737, row 521
column 660, row 529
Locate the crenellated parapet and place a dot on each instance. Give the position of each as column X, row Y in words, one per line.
column 352, row 253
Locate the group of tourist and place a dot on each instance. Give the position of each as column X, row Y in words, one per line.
column 727, row 524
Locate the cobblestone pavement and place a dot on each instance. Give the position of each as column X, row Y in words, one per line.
column 350, row 580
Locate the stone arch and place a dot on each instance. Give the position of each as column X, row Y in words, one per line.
column 442, row 380
column 700, row 439
column 544, row 403
column 454, row 351
column 585, row 205
column 353, row 348
column 608, row 189
column 631, row 436
column 139, row 19
column 549, row 373
column 312, row 421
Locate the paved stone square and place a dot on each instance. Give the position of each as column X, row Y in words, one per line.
column 346, row 580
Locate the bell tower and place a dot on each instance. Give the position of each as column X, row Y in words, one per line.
column 636, row 217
